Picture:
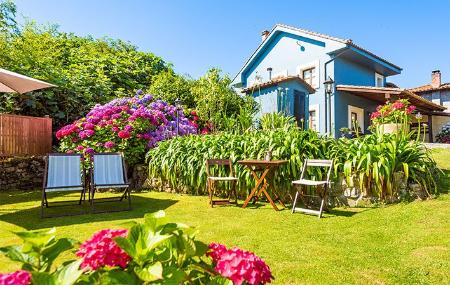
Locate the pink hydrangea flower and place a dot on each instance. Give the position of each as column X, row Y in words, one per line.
column 80, row 148
column 89, row 150
column 89, row 126
column 101, row 250
column 109, row 144
column 20, row 277
column 124, row 134
column 239, row 265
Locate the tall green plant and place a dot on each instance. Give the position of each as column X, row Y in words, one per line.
column 181, row 161
column 374, row 159
column 273, row 121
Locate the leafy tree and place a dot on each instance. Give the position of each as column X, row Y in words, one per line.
column 216, row 99
column 8, row 17
column 169, row 86
column 87, row 71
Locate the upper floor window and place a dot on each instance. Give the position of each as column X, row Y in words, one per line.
column 309, row 75
column 379, row 80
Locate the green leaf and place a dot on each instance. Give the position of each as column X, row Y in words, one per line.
column 118, row 277
column 43, row 278
column 220, row 280
column 52, row 251
column 126, row 245
column 70, row 273
column 150, row 273
column 38, row 238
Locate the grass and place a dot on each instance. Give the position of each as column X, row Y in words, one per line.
column 406, row 243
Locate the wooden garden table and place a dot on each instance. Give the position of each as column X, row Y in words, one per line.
column 262, row 183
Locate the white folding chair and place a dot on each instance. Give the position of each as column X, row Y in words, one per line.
column 63, row 173
column 109, row 172
column 303, row 183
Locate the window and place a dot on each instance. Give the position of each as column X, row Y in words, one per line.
column 355, row 117
column 379, row 80
column 313, row 118
column 309, row 75
column 310, row 72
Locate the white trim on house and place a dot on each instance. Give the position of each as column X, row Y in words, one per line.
column 316, row 109
column 314, row 64
column 377, row 77
column 360, row 116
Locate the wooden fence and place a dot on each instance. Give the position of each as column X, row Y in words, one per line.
column 22, row 135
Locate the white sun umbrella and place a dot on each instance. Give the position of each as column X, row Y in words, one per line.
column 15, row 82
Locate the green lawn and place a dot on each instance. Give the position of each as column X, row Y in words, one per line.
column 407, row 243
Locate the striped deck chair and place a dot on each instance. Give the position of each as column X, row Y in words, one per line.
column 108, row 172
column 63, row 173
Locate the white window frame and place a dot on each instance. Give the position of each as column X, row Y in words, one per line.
column 359, row 112
column 379, row 76
column 316, row 109
column 314, row 64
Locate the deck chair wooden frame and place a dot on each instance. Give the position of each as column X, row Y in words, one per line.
column 211, row 182
column 303, row 183
column 49, row 185
column 123, row 184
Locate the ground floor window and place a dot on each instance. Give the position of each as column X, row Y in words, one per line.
column 313, row 119
column 355, row 118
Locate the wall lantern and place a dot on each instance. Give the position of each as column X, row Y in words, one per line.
column 329, row 85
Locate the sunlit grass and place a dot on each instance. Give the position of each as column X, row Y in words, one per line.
column 406, row 243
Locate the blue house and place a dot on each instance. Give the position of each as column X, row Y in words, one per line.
column 287, row 72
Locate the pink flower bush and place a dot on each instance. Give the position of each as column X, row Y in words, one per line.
column 393, row 112
column 239, row 265
column 19, row 277
column 129, row 125
column 101, row 250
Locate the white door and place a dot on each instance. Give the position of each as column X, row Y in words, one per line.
column 355, row 114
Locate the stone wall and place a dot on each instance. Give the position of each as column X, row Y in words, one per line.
column 21, row 173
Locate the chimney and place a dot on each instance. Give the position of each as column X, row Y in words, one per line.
column 264, row 35
column 269, row 69
column 435, row 78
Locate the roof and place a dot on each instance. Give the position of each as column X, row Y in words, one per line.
column 371, row 93
column 348, row 42
column 428, row 88
column 278, row 80
column 344, row 41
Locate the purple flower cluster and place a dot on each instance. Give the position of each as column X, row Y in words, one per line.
column 130, row 125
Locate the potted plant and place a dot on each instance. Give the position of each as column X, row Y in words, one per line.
column 393, row 117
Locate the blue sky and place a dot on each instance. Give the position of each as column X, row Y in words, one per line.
column 197, row 35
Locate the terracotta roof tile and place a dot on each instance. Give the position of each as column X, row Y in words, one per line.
column 428, row 87
column 277, row 80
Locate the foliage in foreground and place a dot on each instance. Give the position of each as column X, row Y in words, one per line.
column 152, row 252
column 370, row 161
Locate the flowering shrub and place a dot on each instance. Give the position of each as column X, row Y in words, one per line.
column 101, row 250
column 152, row 252
column 444, row 134
column 393, row 112
column 204, row 127
column 130, row 125
column 239, row 265
column 19, row 277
